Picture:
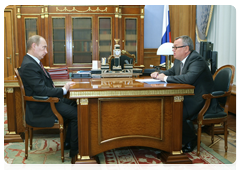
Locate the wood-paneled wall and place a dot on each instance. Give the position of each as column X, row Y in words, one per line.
column 182, row 20
column 151, row 57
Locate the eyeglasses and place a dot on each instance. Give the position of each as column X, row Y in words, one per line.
column 175, row 48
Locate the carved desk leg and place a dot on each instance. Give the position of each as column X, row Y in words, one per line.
column 177, row 156
column 11, row 135
column 83, row 156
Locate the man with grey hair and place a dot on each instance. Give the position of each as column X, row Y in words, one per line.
column 189, row 68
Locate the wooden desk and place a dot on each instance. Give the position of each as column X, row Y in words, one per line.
column 120, row 112
column 115, row 113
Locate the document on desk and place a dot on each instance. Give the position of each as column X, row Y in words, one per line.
column 151, row 81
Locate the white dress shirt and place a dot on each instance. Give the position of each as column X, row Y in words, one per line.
column 183, row 61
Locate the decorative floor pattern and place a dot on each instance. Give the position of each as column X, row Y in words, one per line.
column 143, row 155
column 46, row 150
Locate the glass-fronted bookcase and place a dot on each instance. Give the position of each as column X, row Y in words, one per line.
column 105, row 37
column 81, row 40
column 71, row 40
column 131, row 34
column 30, row 27
column 77, row 35
column 59, row 40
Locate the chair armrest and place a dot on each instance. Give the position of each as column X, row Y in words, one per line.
column 216, row 94
column 41, row 99
column 208, row 97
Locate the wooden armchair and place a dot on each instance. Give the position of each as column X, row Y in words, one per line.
column 52, row 100
column 124, row 56
column 223, row 80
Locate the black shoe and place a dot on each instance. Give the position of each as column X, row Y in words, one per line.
column 73, row 153
column 190, row 146
column 67, row 146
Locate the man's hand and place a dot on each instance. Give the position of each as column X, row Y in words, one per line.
column 154, row 75
column 67, row 85
column 161, row 77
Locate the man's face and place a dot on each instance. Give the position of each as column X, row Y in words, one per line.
column 179, row 53
column 40, row 50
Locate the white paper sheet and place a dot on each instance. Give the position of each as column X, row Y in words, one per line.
column 147, row 80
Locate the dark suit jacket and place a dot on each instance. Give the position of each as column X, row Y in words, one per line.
column 36, row 83
column 195, row 72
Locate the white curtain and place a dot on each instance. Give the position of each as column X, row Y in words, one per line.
column 222, row 33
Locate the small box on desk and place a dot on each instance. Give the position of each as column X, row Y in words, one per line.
column 96, row 73
column 81, row 74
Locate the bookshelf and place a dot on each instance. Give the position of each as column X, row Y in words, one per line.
column 59, row 40
column 131, row 36
column 77, row 34
column 105, row 37
column 81, row 40
column 30, row 28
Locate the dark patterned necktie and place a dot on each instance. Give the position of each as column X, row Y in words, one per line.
column 181, row 67
column 43, row 69
column 45, row 72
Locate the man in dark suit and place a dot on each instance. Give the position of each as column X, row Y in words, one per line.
column 37, row 82
column 189, row 68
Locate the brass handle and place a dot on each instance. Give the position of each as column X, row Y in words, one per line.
column 10, row 58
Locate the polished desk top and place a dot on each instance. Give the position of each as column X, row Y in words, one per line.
column 124, row 87
column 112, row 87
column 11, row 81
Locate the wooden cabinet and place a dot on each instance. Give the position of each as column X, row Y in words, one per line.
column 71, row 40
column 105, row 33
column 133, row 31
column 58, row 46
column 76, row 35
column 31, row 26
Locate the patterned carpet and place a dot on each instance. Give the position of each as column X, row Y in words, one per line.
column 142, row 155
column 46, row 150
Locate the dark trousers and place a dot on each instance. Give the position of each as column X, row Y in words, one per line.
column 188, row 131
column 68, row 109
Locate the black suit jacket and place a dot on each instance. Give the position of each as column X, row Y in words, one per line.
column 36, row 83
column 195, row 72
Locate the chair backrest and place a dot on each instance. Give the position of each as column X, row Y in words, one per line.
column 223, row 81
column 22, row 93
column 19, row 81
